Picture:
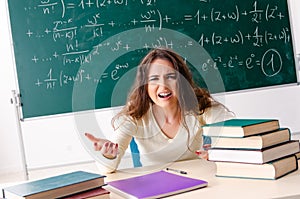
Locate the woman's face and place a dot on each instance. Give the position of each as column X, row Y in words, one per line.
column 162, row 83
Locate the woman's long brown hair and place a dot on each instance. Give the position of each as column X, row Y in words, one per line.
column 191, row 97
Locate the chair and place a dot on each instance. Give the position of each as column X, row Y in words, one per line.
column 135, row 154
column 206, row 140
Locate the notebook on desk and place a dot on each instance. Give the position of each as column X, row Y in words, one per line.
column 155, row 185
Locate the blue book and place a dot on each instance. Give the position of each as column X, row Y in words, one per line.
column 56, row 186
column 240, row 127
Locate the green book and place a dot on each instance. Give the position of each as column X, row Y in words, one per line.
column 56, row 186
column 240, row 127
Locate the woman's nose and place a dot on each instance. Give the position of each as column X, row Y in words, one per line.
column 164, row 82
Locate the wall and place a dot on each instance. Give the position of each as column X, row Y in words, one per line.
column 8, row 136
column 54, row 140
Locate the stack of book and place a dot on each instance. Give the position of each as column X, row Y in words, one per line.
column 77, row 184
column 252, row 148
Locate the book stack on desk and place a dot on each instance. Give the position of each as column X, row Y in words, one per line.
column 77, row 184
column 252, row 148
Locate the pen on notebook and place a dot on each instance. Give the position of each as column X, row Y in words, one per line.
column 175, row 170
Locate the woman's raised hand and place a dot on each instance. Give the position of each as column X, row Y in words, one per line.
column 106, row 147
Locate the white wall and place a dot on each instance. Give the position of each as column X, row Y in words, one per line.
column 55, row 141
column 8, row 136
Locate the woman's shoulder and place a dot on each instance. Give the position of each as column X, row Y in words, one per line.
column 217, row 112
column 121, row 118
column 125, row 119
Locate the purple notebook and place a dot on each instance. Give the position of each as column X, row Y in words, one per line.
column 155, row 185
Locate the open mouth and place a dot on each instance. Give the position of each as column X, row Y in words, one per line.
column 164, row 95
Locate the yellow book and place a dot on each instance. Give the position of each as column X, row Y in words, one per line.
column 259, row 141
column 255, row 156
column 272, row 170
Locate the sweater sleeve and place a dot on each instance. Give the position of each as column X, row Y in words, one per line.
column 216, row 113
column 124, row 130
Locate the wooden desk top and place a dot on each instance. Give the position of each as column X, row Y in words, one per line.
column 220, row 187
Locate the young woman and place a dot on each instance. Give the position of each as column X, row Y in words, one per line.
column 164, row 114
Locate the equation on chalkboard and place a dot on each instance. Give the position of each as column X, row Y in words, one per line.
column 77, row 55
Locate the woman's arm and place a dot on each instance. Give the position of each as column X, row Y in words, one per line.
column 216, row 113
column 113, row 150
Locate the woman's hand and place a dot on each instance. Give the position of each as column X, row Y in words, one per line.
column 204, row 154
column 106, row 147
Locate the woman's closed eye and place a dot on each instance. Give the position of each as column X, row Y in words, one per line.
column 171, row 76
column 153, row 78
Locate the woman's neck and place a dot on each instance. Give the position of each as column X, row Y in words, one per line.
column 168, row 120
column 169, row 115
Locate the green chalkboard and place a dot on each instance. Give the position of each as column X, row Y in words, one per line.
column 77, row 55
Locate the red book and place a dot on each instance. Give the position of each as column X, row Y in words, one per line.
column 96, row 193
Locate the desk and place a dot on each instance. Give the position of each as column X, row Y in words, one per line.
column 220, row 187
